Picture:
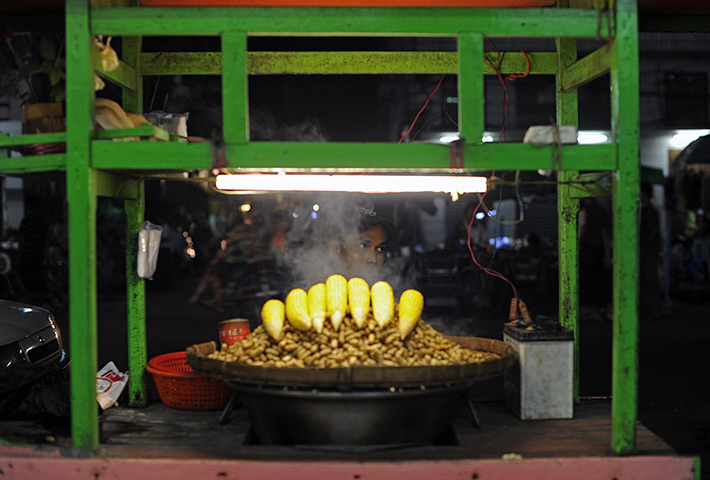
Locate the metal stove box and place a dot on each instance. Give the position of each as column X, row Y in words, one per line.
column 539, row 386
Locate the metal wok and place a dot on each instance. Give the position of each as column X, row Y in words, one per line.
column 359, row 405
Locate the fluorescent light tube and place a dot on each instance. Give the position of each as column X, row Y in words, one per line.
column 351, row 183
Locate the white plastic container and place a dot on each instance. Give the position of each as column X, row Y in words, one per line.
column 540, row 385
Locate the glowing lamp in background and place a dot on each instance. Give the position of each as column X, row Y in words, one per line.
column 683, row 138
column 591, row 138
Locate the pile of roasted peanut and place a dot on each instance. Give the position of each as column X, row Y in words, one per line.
column 350, row 345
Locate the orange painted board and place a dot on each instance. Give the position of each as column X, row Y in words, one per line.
column 348, row 3
column 583, row 468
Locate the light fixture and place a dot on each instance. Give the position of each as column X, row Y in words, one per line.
column 683, row 138
column 591, row 138
column 281, row 182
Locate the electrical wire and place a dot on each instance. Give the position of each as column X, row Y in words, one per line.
column 496, row 66
column 519, row 200
column 422, row 109
column 486, row 270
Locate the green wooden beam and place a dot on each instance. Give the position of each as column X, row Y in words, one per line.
column 136, row 309
column 181, row 63
column 32, row 163
column 144, row 130
column 270, row 21
column 293, row 63
column 31, row 139
column 625, row 203
column 35, row 164
column 135, row 207
column 131, row 52
column 567, row 207
column 471, row 117
column 151, row 155
column 235, row 96
column 124, row 76
column 587, row 69
column 488, row 156
column 81, row 200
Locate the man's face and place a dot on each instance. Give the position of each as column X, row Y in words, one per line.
column 365, row 251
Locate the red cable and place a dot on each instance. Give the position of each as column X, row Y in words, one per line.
column 527, row 70
column 511, row 77
column 473, row 255
column 422, row 109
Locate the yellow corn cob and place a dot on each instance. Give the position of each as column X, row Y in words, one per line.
column 297, row 309
column 272, row 316
column 411, row 304
column 382, row 303
column 359, row 300
column 336, row 288
column 316, row 305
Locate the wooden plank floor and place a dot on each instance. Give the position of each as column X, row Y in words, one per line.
column 166, row 443
column 162, row 432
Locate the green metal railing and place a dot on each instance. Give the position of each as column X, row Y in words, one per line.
column 95, row 166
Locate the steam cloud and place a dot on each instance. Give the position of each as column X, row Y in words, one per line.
column 338, row 217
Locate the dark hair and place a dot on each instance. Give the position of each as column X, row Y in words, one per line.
column 370, row 218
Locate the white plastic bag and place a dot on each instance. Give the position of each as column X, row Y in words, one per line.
column 148, row 248
column 109, row 385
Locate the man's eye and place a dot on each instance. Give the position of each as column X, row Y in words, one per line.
column 381, row 249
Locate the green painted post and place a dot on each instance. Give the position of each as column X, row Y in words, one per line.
column 568, row 207
column 235, row 103
column 625, row 130
column 135, row 286
column 470, row 106
column 81, row 199
column 131, row 54
column 135, row 297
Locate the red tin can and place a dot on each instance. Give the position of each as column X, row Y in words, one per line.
column 233, row 330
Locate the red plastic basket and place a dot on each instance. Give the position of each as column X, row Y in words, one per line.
column 179, row 386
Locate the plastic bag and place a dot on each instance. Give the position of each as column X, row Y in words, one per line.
column 148, row 248
column 109, row 385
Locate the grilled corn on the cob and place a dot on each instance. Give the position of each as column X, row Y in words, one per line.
column 336, row 299
column 411, row 304
column 382, row 303
column 316, row 306
column 359, row 300
column 272, row 316
column 297, row 309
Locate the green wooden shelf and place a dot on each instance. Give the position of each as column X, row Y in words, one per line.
column 321, row 21
column 53, row 162
column 97, row 164
column 334, row 155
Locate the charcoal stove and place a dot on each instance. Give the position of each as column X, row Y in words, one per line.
column 359, row 405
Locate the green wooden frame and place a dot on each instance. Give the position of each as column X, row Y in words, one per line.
column 94, row 165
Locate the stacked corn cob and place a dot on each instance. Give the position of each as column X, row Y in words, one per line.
column 337, row 297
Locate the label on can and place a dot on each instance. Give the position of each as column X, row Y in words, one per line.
column 233, row 330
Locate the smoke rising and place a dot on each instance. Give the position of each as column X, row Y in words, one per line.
column 312, row 258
